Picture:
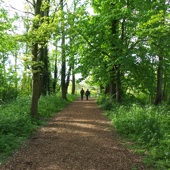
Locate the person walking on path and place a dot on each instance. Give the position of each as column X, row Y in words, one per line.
column 87, row 94
column 82, row 93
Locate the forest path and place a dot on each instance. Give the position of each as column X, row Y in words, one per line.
column 77, row 138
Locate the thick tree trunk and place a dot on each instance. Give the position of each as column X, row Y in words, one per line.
column 35, row 94
column 45, row 77
column 117, row 71
column 35, row 67
column 107, row 89
column 112, row 89
column 36, row 83
column 116, row 68
column 159, row 92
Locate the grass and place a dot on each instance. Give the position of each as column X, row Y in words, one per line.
column 16, row 124
column 146, row 125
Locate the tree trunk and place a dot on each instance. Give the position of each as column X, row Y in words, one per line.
column 36, row 84
column 118, row 85
column 112, row 89
column 16, row 79
column 159, row 92
column 55, row 77
column 68, row 79
column 73, row 83
column 63, row 64
column 63, row 83
column 45, row 77
column 107, row 89
column 35, row 67
column 116, row 80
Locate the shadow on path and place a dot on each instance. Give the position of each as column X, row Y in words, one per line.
column 78, row 138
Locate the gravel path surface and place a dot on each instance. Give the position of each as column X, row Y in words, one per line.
column 78, row 138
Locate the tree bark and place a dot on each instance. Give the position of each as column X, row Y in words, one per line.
column 55, row 76
column 63, row 64
column 159, row 92
column 45, row 77
column 118, row 85
column 35, row 67
column 73, row 83
column 116, row 81
column 68, row 79
column 36, row 83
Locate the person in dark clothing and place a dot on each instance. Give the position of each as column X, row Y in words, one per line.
column 82, row 93
column 87, row 94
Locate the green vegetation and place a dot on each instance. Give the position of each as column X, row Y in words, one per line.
column 16, row 123
column 146, row 125
column 122, row 48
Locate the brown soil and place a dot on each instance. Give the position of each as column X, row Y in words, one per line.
column 78, row 138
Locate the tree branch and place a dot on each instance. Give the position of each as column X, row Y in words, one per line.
column 57, row 9
column 33, row 4
column 92, row 46
column 21, row 11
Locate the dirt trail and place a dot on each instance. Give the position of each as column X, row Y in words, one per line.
column 78, row 138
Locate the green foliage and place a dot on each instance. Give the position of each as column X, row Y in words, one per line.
column 53, row 103
column 16, row 124
column 147, row 125
column 140, row 36
column 8, row 93
column 105, row 102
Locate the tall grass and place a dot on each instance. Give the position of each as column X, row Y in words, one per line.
column 147, row 125
column 16, row 124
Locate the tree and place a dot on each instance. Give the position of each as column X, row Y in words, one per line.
column 45, row 76
column 130, row 43
column 8, row 45
column 36, row 66
column 37, row 36
column 155, row 30
column 63, row 55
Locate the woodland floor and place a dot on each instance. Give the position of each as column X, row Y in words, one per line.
column 78, row 138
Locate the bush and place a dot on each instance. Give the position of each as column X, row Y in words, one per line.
column 8, row 93
column 105, row 102
column 148, row 126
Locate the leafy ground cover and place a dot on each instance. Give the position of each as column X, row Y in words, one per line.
column 16, row 124
column 146, row 125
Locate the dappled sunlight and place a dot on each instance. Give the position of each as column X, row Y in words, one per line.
column 79, row 137
column 77, row 126
column 104, row 122
column 63, row 130
column 90, row 106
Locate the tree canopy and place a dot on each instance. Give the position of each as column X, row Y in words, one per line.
column 122, row 47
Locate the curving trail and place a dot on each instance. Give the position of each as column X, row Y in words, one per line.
column 77, row 138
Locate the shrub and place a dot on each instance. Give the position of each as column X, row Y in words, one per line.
column 148, row 126
column 105, row 102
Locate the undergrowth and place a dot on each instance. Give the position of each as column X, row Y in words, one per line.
column 146, row 125
column 16, row 124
